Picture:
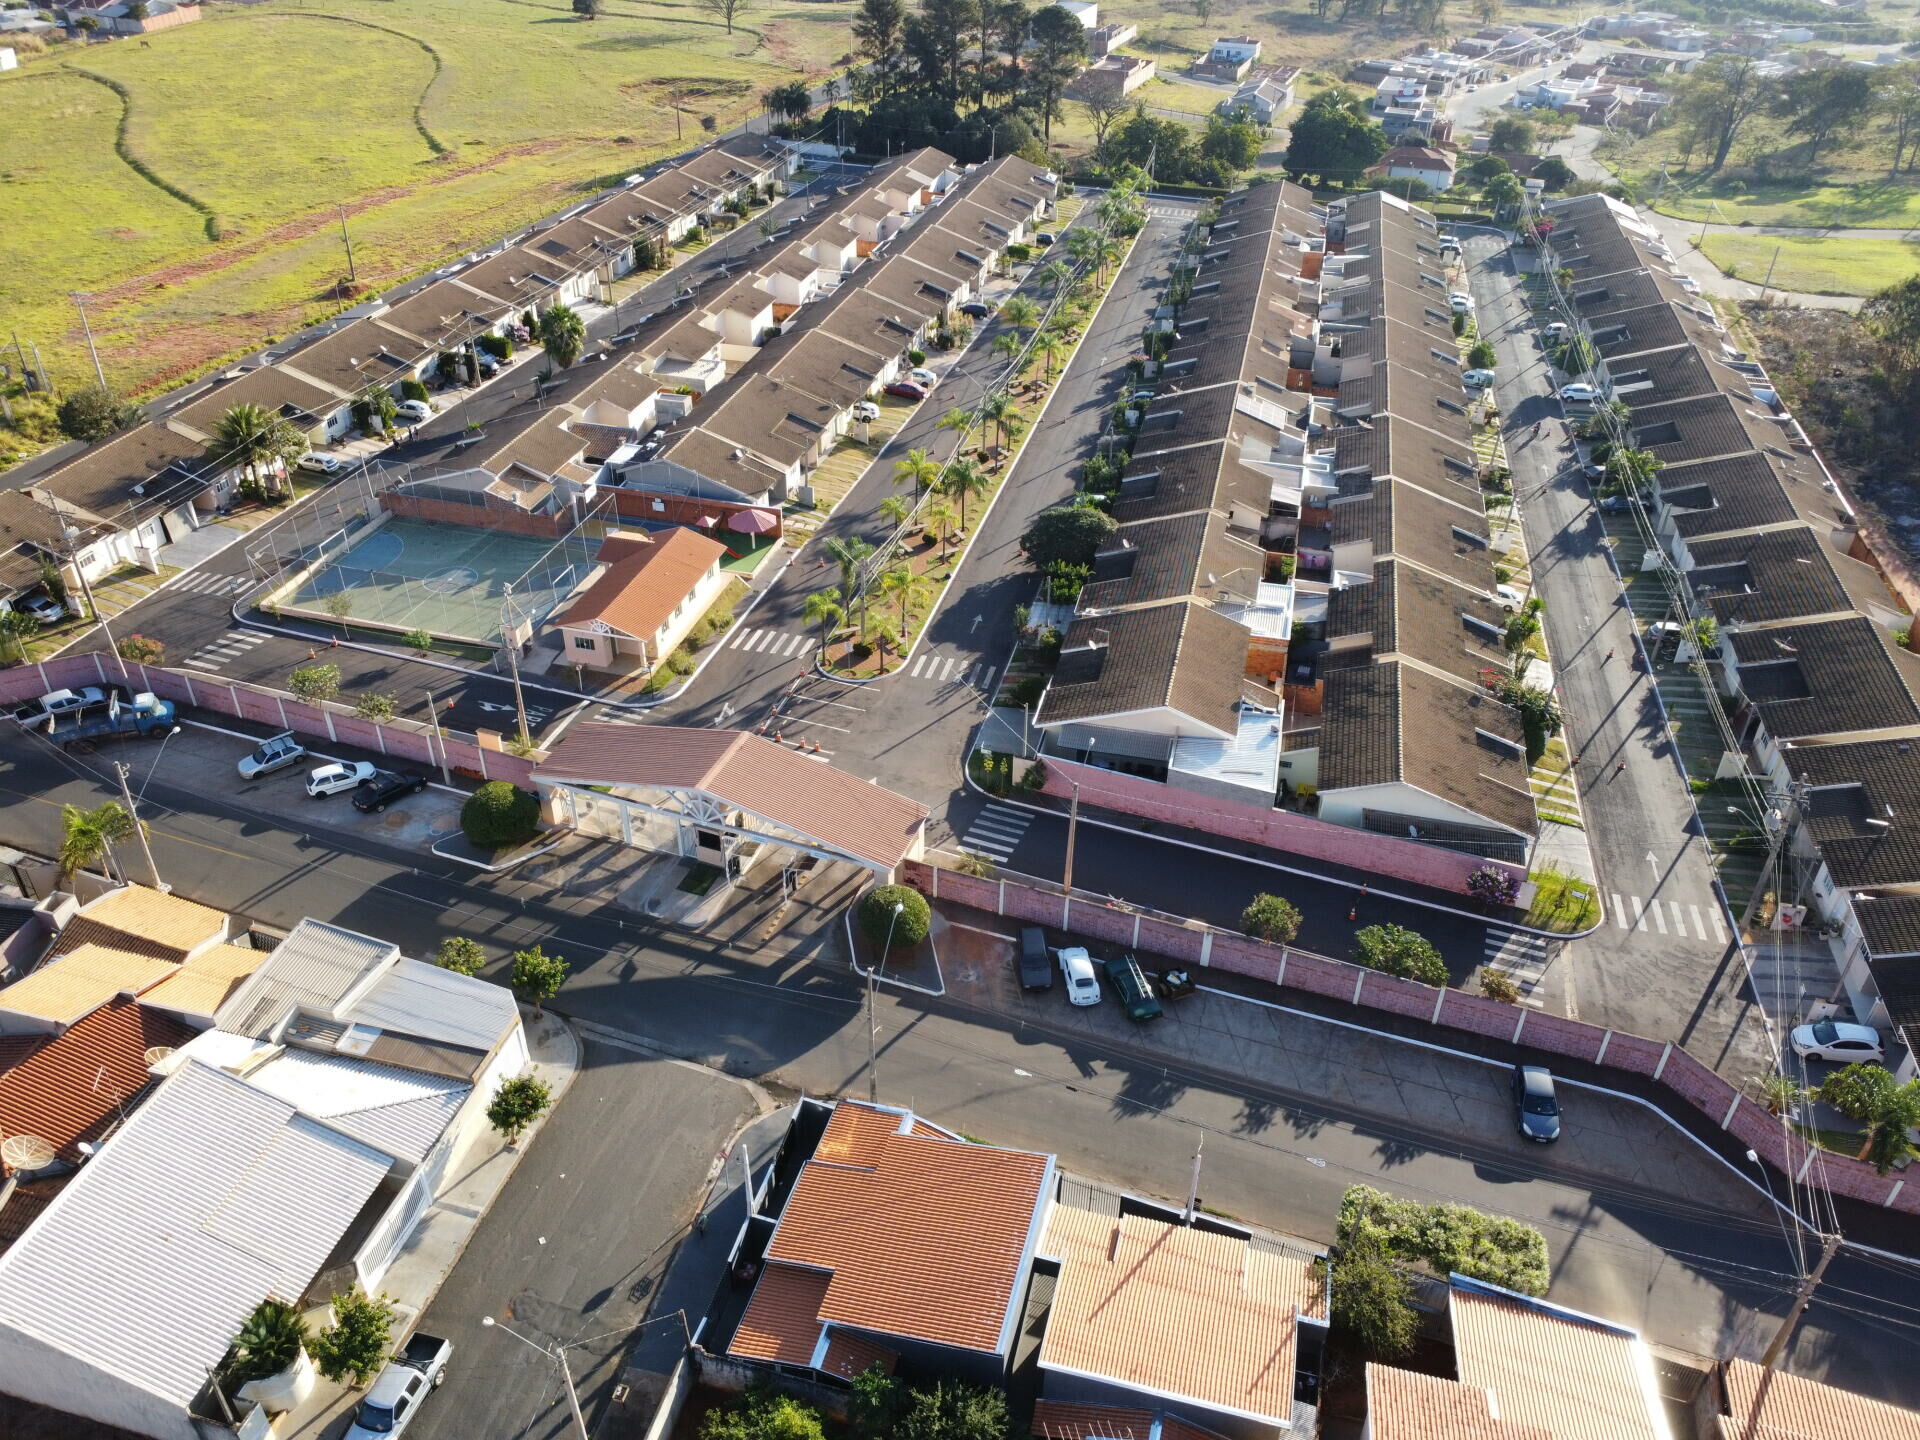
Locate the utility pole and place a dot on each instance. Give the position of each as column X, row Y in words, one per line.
column 86, row 588
column 513, row 665
column 1764, row 284
column 1073, row 829
column 573, row 1396
column 433, row 723
column 352, row 274
column 1193, row 1185
column 873, row 1031
column 80, row 303
column 1829, row 1246
column 126, row 794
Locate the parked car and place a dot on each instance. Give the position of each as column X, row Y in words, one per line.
column 1536, row 1106
column 977, row 309
column 383, row 787
column 275, row 753
column 1449, row 242
column 340, row 775
column 1477, row 379
column 44, row 608
column 1836, row 1040
column 1460, row 301
column 145, row 715
column 1045, row 237
column 1510, row 597
column 1616, row 504
column 1036, row 964
column 396, row 1394
column 59, row 702
column 1556, row 331
column 920, row 375
column 866, row 410
column 315, row 463
column 1579, row 393
column 907, row 390
column 1083, row 986
column 414, row 410
column 1130, row 983
column 486, row 364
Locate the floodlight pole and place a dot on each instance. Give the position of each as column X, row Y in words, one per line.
column 513, row 667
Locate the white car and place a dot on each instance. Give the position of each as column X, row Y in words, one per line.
column 920, row 375
column 866, row 410
column 339, row 776
column 1460, row 301
column 271, row 755
column 1477, row 379
column 1579, row 394
column 62, row 702
column 414, row 410
column 317, row 464
column 1083, row 981
column 1836, row 1040
column 1510, row 598
column 44, row 608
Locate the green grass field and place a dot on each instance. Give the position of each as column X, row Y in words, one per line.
column 1827, row 265
column 1855, row 193
column 440, row 124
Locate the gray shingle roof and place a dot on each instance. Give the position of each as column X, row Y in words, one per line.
column 1717, row 497
column 1833, row 677
column 1863, row 810
column 1180, row 655
column 1775, row 575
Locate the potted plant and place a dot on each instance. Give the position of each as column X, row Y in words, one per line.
column 270, row 1366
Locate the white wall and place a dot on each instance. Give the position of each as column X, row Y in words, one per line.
column 1343, row 807
column 34, row 1370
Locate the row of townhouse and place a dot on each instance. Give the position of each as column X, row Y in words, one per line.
column 120, row 501
column 1299, row 607
column 1821, row 694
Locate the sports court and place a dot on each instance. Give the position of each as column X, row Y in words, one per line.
column 447, row 579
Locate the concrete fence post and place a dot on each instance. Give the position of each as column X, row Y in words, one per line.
column 1280, row 976
column 380, row 736
column 1605, row 1040
column 1439, row 999
column 332, row 736
column 1136, row 932
column 1519, row 1025
column 41, row 666
column 188, row 680
column 1359, row 979
column 1661, row 1068
column 481, row 751
column 99, row 662
column 282, row 706
column 1066, row 912
column 1206, row 949
column 1806, row 1164
column 1727, row 1119
column 1894, row 1193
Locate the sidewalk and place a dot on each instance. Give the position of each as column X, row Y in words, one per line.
column 481, row 1166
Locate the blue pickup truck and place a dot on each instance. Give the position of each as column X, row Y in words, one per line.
column 144, row 715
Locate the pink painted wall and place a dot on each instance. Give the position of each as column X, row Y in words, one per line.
column 1275, row 829
column 1686, row 1078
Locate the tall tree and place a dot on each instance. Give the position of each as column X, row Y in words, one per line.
column 1898, row 101
column 1103, row 111
column 878, row 27
column 790, row 101
column 1334, row 138
column 255, row 437
column 725, row 9
column 1818, row 103
column 935, row 40
column 1011, row 19
column 1059, row 50
column 963, row 480
column 563, row 334
column 1719, row 98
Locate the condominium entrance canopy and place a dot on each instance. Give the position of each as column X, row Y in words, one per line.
column 741, row 785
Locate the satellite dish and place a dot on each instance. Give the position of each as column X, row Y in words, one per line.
column 26, row 1152
column 155, row 1054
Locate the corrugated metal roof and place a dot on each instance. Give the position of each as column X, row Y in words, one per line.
column 211, row 1197
column 782, row 1320
column 1406, row 1405
column 1131, row 1289
column 1575, row 1378
column 316, row 966
column 402, row 1112
column 1792, row 1407
column 71, row 1087
column 926, row 1238
column 66, row 988
column 416, row 998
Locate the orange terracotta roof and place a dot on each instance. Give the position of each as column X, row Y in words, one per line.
column 144, row 922
column 69, row 1087
column 201, row 985
column 850, row 1357
column 23, row 1207
column 645, row 579
column 64, row 989
column 1406, row 1405
column 1172, row 1427
column 926, row 1238
column 1132, row 1291
column 782, row 1320
column 838, row 810
column 1795, row 1408
column 1573, row 1378
column 1059, row 1420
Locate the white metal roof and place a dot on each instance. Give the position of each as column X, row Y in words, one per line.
column 317, row 966
column 415, row 998
column 402, row 1112
column 213, row 1196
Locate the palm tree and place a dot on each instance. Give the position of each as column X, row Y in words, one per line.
column 900, row 584
column 919, row 467
column 1047, row 345
column 964, row 478
column 937, row 521
column 1054, row 274
column 563, row 334
column 959, row 421
column 881, row 634
column 1019, row 312
column 1009, row 345
column 253, row 436
column 823, row 608
column 998, row 409
column 848, row 553
column 1083, row 245
column 896, row 510
column 89, row 835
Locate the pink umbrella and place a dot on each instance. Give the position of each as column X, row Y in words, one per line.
column 752, row 522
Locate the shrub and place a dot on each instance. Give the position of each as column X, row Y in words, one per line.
column 1396, row 950
column 92, row 414
column 1459, row 324
column 498, row 346
column 1498, row 985
column 143, row 650
column 763, row 1415
column 877, row 920
column 517, row 1104
column 1372, row 1303
column 268, row 1343
column 418, row 640
column 499, row 814
column 314, row 683
column 1481, row 356
column 374, row 707
column 460, row 955
column 352, row 1349
column 1068, row 533
column 1492, row 886
column 916, row 356
column 536, row 976
column 1445, row 1238
column 1271, row 917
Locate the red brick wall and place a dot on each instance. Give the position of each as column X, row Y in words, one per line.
column 500, row 516
column 638, row 505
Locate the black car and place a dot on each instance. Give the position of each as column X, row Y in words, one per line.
column 1036, row 961
column 1537, row 1107
column 385, row 787
column 977, row 309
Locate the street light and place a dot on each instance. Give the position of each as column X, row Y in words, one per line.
column 556, row 1353
column 873, row 970
column 123, row 770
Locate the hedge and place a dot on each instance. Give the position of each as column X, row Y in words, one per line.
column 1448, row 1239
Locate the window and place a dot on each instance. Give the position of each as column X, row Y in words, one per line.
column 583, row 642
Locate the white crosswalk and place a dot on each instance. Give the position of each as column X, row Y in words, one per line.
column 203, row 582
column 995, row 832
column 760, row 641
column 1169, row 212
column 1675, row 918
column 1521, row 958
column 225, row 650
column 950, row 670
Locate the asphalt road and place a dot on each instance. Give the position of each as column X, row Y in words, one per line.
column 1657, row 965
column 1647, row 1249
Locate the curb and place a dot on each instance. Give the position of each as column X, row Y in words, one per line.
column 513, row 864
column 880, row 977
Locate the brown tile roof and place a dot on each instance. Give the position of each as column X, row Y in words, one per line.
column 1406, row 1405
column 70, row 1087
column 850, row 1357
column 64, row 989
column 646, row 578
column 1062, row 1420
column 842, row 812
column 1134, row 1291
column 142, row 922
column 1574, row 1379
column 926, row 1237
column 1179, row 655
column 782, row 1320
column 101, row 478
column 1792, row 1407
column 271, row 387
column 201, row 985
column 358, row 355
column 23, row 1207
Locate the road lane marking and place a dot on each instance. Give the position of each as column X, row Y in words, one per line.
column 1620, row 911
column 1639, row 915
